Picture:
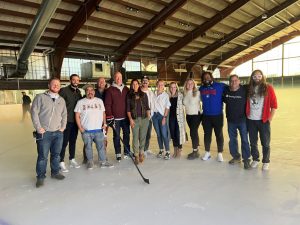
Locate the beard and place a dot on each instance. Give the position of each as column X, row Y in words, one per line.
column 74, row 85
column 257, row 82
column 208, row 82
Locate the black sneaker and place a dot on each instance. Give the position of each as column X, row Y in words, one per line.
column 160, row 154
column 234, row 161
column 247, row 165
column 193, row 155
column 119, row 158
column 39, row 183
column 58, row 176
column 167, row 156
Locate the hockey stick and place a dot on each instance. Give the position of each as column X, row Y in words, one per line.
column 112, row 125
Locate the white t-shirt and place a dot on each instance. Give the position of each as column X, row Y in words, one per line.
column 256, row 106
column 91, row 113
column 161, row 102
column 150, row 96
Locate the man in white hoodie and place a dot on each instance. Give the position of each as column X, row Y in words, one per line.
column 150, row 95
column 49, row 118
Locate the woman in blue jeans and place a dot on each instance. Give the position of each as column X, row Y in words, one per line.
column 159, row 118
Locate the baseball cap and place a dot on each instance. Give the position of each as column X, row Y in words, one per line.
column 144, row 77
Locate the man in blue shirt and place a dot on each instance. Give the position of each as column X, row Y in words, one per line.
column 211, row 95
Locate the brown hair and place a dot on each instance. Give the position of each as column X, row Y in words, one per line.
column 131, row 93
column 262, row 89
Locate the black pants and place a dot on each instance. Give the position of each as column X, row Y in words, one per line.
column 256, row 127
column 215, row 123
column 25, row 108
column 124, row 125
column 70, row 137
column 174, row 131
column 193, row 122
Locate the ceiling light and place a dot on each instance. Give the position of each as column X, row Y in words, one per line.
column 264, row 16
column 184, row 24
column 131, row 9
column 180, row 70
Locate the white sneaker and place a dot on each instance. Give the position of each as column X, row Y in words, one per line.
column 220, row 157
column 206, row 156
column 254, row 164
column 106, row 164
column 63, row 167
column 74, row 164
column 126, row 157
column 265, row 166
column 148, row 152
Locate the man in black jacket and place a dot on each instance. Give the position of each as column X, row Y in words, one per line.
column 71, row 94
column 235, row 98
column 25, row 104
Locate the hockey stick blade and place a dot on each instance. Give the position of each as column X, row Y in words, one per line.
column 138, row 169
column 130, row 155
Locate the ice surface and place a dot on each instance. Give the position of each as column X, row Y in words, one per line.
column 180, row 191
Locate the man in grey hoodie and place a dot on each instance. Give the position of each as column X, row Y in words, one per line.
column 49, row 118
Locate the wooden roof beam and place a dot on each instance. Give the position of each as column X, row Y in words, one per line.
column 72, row 28
column 201, row 29
column 210, row 48
column 142, row 33
column 254, row 54
column 252, row 42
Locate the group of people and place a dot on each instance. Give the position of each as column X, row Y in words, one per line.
column 59, row 113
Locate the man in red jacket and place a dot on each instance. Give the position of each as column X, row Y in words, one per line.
column 260, row 110
column 115, row 107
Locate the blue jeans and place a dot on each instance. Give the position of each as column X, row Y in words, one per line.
column 88, row 139
column 161, row 131
column 233, row 129
column 124, row 124
column 256, row 127
column 48, row 141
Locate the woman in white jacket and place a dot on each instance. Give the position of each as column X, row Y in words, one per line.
column 191, row 101
column 176, row 119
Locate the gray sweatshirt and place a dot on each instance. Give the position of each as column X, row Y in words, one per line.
column 48, row 113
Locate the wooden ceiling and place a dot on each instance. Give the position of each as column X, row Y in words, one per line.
column 218, row 33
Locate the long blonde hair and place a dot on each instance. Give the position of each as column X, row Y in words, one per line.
column 177, row 89
column 195, row 90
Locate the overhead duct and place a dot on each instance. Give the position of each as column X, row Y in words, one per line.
column 34, row 34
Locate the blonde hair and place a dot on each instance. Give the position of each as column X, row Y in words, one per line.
column 177, row 89
column 194, row 91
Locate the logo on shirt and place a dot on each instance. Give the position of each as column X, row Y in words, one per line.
column 91, row 106
column 209, row 92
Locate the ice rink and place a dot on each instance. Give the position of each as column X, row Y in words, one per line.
column 180, row 191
